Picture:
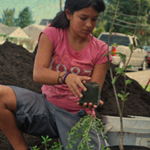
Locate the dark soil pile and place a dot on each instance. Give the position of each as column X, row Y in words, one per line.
column 16, row 68
column 137, row 103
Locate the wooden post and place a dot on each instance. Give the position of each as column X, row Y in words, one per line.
column 60, row 5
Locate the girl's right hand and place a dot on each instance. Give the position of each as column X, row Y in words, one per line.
column 74, row 81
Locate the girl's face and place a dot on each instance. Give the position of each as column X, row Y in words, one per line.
column 83, row 21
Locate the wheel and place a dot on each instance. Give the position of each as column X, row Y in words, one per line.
column 144, row 65
column 121, row 64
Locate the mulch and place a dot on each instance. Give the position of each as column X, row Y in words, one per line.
column 16, row 66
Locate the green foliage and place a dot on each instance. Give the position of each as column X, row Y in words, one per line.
column 114, row 80
column 8, row 17
column 115, row 44
column 35, row 148
column 128, row 82
column 148, row 87
column 127, row 17
column 25, row 17
column 82, row 131
column 131, row 47
column 129, row 8
column 45, row 140
column 123, row 57
column 98, row 30
column 129, row 66
column 123, row 96
column 120, row 70
column 56, row 146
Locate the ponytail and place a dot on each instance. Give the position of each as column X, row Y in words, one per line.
column 60, row 21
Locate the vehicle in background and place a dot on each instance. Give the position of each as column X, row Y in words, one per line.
column 139, row 56
column 148, row 54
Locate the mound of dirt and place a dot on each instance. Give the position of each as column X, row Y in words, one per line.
column 16, row 65
column 137, row 103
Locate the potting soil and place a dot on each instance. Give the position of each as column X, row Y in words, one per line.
column 16, row 68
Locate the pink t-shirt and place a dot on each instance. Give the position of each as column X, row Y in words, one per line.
column 65, row 59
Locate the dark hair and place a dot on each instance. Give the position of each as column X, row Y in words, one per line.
column 61, row 21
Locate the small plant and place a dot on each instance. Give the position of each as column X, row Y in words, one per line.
column 121, row 72
column 82, row 131
column 56, row 146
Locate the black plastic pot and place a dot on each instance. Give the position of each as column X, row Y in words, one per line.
column 92, row 94
column 129, row 147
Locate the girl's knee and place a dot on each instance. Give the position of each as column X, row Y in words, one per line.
column 4, row 90
column 7, row 98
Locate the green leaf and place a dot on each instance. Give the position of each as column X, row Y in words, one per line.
column 128, row 82
column 129, row 66
column 115, row 44
column 113, row 53
column 114, row 80
column 47, row 137
column 43, row 137
column 125, row 99
column 131, row 47
column 92, row 146
column 119, row 70
column 122, row 92
column 120, row 95
column 127, row 94
column 122, row 56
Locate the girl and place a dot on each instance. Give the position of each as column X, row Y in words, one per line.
column 67, row 56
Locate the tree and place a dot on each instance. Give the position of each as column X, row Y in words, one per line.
column 126, row 15
column 25, row 18
column 8, row 17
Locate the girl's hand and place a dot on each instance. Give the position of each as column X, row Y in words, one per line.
column 74, row 81
column 90, row 106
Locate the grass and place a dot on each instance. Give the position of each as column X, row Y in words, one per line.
column 147, row 89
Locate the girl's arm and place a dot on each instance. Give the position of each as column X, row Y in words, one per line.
column 42, row 73
column 98, row 75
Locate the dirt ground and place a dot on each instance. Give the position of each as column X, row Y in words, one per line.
column 16, row 66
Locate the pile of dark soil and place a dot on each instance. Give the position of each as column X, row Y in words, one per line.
column 16, row 68
column 16, row 65
column 137, row 103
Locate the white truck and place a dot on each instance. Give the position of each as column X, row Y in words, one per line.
column 139, row 56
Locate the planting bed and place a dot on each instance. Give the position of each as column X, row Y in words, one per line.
column 16, row 68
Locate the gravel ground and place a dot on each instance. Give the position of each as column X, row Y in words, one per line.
column 141, row 77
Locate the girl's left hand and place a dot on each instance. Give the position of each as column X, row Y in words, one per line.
column 90, row 105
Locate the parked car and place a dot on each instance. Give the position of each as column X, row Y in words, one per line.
column 139, row 56
column 148, row 54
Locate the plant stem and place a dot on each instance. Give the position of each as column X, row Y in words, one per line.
column 86, row 137
column 120, row 113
